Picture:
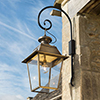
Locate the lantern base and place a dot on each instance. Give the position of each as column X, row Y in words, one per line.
column 44, row 89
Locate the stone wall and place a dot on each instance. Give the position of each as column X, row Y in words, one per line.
column 69, row 92
column 90, row 59
column 86, row 32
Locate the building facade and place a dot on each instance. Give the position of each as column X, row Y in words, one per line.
column 85, row 16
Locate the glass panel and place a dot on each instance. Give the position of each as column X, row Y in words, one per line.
column 44, row 75
column 44, row 70
column 33, row 68
column 49, row 71
column 55, row 73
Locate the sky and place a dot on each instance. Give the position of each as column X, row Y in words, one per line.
column 19, row 33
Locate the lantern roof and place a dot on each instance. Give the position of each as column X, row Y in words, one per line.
column 45, row 49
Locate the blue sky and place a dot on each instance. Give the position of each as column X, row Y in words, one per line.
column 19, row 32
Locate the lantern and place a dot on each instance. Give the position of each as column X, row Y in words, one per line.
column 44, row 66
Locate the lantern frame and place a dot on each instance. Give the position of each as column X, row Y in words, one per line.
column 36, row 52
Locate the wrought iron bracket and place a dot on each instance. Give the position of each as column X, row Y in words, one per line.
column 71, row 42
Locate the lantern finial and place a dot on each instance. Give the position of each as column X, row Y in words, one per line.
column 45, row 39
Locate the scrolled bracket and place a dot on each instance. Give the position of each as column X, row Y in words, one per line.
column 50, row 21
column 47, row 20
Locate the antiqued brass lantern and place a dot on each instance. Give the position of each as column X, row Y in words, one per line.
column 45, row 63
column 44, row 66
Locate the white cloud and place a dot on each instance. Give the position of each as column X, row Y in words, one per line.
column 14, row 29
column 11, row 97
